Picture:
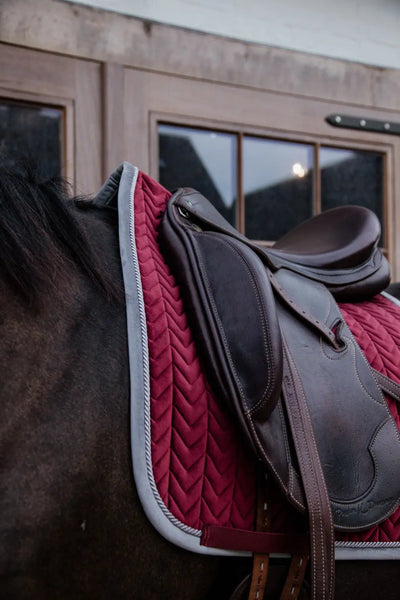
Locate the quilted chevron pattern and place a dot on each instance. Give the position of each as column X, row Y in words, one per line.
column 202, row 472
column 376, row 327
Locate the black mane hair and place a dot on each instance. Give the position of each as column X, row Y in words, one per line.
column 39, row 233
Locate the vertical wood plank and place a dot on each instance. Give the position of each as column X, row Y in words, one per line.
column 392, row 209
column 113, row 116
column 317, row 191
column 88, row 128
column 137, row 107
column 240, row 198
column 68, row 168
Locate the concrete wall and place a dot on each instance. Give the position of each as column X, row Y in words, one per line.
column 366, row 31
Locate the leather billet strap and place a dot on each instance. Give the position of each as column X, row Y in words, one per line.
column 321, row 328
column 263, row 523
column 295, row 577
column 292, row 586
column 259, row 576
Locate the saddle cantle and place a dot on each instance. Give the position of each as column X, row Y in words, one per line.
column 280, row 355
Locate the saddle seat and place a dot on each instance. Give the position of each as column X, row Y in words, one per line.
column 339, row 238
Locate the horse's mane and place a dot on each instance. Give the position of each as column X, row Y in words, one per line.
column 39, row 234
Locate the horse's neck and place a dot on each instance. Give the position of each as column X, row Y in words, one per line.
column 39, row 348
column 61, row 346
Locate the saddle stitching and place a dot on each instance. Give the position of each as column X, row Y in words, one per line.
column 317, row 324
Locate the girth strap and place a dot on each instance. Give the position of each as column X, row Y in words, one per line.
column 263, row 522
column 259, row 576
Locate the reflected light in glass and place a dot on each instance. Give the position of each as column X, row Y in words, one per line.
column 299, row 170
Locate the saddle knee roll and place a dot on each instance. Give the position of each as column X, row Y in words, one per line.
column 231, row 307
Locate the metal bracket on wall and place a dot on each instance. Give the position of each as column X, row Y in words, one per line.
column 365, row 124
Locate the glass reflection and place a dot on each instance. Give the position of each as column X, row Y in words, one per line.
column 202, row 159
column 278, row 186
column 31, row 133
column 352, row 177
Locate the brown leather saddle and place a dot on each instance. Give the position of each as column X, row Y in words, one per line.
column 280, row 356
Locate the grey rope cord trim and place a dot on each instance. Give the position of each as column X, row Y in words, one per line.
column 367, row 544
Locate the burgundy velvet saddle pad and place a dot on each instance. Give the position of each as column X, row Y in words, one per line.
column 191, row 467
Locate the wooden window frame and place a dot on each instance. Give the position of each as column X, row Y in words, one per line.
column 72, row 85
column 66, row 106
column 317, row 141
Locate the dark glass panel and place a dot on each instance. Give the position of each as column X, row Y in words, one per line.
column 278, row 186
column 31, row 133
column 352, row 177
column 203, row 160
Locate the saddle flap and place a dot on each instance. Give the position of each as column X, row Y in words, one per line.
column 356, row 437
column 232, row 308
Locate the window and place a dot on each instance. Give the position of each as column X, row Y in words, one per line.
column 266, row 186
column 204, row 160
column 33, row 133
column 278, row 186
column 352, row 177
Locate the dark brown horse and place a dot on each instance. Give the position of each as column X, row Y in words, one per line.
column 71, row 525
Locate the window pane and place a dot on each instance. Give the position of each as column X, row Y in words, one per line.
column 278, row 186
column 203, row 160
column 352, row 177
column 31, row 133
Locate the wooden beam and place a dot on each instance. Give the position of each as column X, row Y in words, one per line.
column 67, row 28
